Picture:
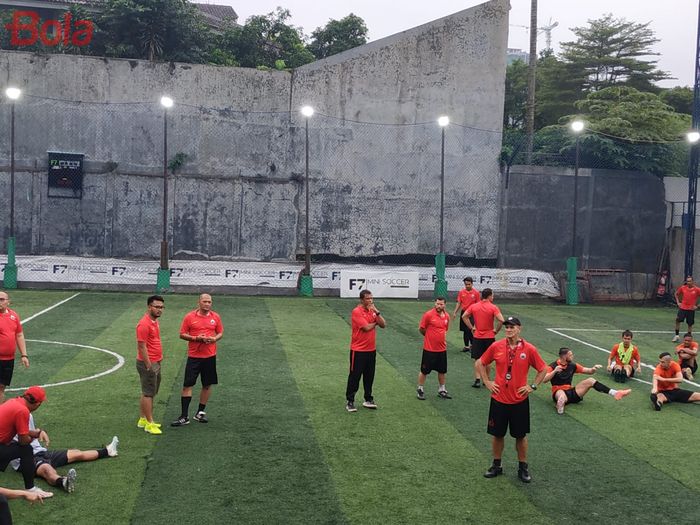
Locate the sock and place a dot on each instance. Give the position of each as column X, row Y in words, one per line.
column 420, row 387
column 185, row 403
column 59, row 482
column 653, row 398
column 612, row 392
column 102, row 453
column 496, row 462
column 676, row 333
column 201, row 407
column 600, row 387
column 523, row 464
column 441, row 388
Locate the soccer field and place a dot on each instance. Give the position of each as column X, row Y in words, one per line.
column 280, row 447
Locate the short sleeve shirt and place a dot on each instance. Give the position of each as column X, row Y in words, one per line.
column 670, row 372
column 14, row 419
column 196, row 324
column 363, row 341
column 562, row 380
column 689, row 296
column 484, row 312
column 615, row 355
column 466, row 298
column 10, row 326
column 148, row 331
column 518, row 361
column 435, row 326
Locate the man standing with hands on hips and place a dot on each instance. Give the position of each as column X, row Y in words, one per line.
column 11, row 338
column 510, row 407
column 201, row 328
column 363, row 350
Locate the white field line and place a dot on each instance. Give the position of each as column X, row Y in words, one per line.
column 556, row 331
column 49, row 308
column 611, row 330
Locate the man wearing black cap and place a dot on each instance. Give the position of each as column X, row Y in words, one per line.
column 561, row 374
column 510, row 407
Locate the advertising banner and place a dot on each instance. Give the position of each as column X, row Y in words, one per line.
column 381, row 284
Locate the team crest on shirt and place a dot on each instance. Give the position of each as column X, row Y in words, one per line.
column 523, row 356
column 13, row 317
column 212, row 322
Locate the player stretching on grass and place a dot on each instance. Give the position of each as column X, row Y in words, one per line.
column 363, row 350
column 624, row 359
column 148, row 358
column 434, row 325
column 687, row 356
column 483, row 313
column 687, row 301
column 665, row 385
column 202, row 328
column 466, row 297
column 11, row 338
column 561, row 374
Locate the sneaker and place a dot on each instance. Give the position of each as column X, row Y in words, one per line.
column 112, row 447
column 493, row 471
column 142, row 422
column 201, row 416
column 622, row 393
column 560, row 405
column 466, row 349
column 676, row 338
column 350, row 407
column 477, row 383
column 688, row 374
column 655, row 402
column 68, row 483
column 420, row 394
column 442, row 394
column 181, row 421
column 41, row 493
column 153, row 428
column 524, row 474
column 370, row 404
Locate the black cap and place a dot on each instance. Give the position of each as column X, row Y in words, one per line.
column 513, row 321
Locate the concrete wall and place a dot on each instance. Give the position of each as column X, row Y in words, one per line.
column 240, row 192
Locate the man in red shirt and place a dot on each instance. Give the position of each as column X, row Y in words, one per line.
column 201, row 328
column 363, row 350
column 434, row 325
column 14, row 421
column 11, row 338
column 466, row 297
column 561, row 374
column 687, row 301
column 665, row 384
column 624, row 359
column 483, row 314
column 510, row 406
column 148, row 357
column 687, row 356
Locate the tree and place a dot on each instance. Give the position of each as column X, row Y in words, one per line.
column 679, row 98
column 611, row 51
column 515, row 95
column 337, row 36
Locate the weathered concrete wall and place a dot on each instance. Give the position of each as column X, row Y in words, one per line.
column 239, row 193
column 620, row 220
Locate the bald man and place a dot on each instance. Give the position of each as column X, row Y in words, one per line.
column 202, row 329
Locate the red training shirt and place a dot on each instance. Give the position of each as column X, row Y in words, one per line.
column 435, row 326
column 521, row 358
column 14, row 419
column 484, row 312
column 10, row 326
column 196, row 324
column 690, row 296
column 362, row 341
column 466, row 298
column 616, row 356
column 148, row 331
column 670, row 372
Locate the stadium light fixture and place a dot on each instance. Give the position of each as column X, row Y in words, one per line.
column 10, row 277
column 163, row 280
column 692, row 136
column 443, row 121
column 166, row 101
column 307, row 111
column 577, row 126
column 13, row 93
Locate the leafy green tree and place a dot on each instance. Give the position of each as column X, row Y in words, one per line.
column 338, row 36
column 679, row 98
column 515, row 95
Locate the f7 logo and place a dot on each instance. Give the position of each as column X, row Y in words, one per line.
column 485, row 279
column 175, row 272
column 231, row 273
column 286, row 275
column 335, row 275
column 357, row 283
column 533, row 281
column 60, row 268
column 118, row 270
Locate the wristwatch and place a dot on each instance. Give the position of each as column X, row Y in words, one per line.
column 533, row 386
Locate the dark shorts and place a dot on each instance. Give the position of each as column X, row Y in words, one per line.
column 677, row 395
column 204, row 366
column 693, row 367
column 571, row 396
column 479, row 346
column 150, row 379
column 462, row 326
column 7, row 367
column 55, row 458
column 685, row 315
column 503, row 416
column 433, row 361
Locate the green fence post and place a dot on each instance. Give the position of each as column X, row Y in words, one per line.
column 440, row 282
column 163, row 280
column 306, row 286
column 9, row 281
column 571, row 284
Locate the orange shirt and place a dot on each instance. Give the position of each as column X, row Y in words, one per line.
column 518, row 360
column 435, row 326
column 670, row 372
column 14, row 419
column 362, row 341
column 196, row 324
column 681, row 347
column 10, row 326
column 689, row 296
column 466, row 298
column 148, row 331
column 616, row 356
column 484, row 312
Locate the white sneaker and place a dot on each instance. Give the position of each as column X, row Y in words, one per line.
column 69, row 481
column 41, row 493
column 112, row 447
column 676, row 338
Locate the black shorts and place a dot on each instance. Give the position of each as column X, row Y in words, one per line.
column 7, row 367
column 677, row 395
column 55, row 458
column 503, row 416
column 571, row 396
column 433, row 361
column 479, row 346
column 686, row 315
column 204, row 366
column 462, row 325
column 686, row 364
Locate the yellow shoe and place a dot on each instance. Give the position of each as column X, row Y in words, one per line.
column 152, row 428
column 142, row 422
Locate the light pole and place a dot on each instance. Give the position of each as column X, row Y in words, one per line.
column 440, row 282
column 306, row 281
column 10, row 274
column 692, row 137
column 577, row 126
column 163, row 279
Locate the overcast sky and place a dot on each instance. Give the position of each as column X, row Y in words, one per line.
column 674, row 21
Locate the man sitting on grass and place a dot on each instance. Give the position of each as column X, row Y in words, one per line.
column 665, row 386
column 687, row 356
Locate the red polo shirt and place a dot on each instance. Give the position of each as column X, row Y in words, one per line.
column 14, row 419
column 518, row 360
column 362, row 341
column 10, row 326
column 435, row 326
column 484, row 312
column 690, row 296
column 148, row 331
column 466, row 298
column 196, row 324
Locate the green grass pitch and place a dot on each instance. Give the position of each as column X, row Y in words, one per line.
column 280, row 447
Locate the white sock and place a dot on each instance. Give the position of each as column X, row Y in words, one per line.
column 612, row 392
column 420, row 387
column 441, row 388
